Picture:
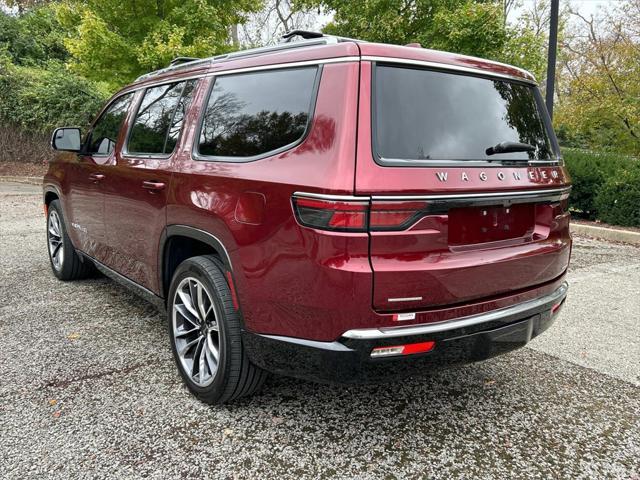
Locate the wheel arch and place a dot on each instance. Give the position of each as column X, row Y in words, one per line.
column 180, row 242
column 50, row 194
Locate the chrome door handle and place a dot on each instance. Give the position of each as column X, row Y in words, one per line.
column 153, row 186
column 96, row 177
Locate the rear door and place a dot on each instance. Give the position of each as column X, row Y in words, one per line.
column 452, row 221
column 138, row 181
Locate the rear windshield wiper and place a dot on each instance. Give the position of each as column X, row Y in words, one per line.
column 508, row 147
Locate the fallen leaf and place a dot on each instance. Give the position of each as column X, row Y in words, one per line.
column 489, row 381
column 277, row 420
column 57, row 413
column 73, row 336
column 52, row 402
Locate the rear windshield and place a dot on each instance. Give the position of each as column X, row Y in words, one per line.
column 424, row 115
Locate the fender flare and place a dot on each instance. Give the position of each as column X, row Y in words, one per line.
column 195, row 234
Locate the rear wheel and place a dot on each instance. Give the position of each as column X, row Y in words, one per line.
column 205, row 333
column 65, row 262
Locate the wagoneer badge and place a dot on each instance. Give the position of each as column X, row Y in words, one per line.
column 482, row 175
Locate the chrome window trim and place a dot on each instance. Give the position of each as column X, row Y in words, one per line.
column 520, row 308
column 305, row 63
column 455, row 68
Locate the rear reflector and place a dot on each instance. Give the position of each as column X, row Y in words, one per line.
column 409, row 349
column 403, row 317
column 555, row 308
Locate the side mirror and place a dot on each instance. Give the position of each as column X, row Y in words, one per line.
column 66, row 139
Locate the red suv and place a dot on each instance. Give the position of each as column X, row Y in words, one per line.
column 326, row 208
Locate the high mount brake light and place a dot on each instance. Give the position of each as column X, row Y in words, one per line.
column 356, row 215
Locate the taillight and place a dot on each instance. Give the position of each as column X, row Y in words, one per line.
column 357, row 215
column 336, row 215
column 397, row 215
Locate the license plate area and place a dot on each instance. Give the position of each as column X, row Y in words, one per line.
column 494, row 223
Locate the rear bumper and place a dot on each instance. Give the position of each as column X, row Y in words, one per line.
column 462, row 340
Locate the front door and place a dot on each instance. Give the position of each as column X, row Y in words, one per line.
column 137, row 184
column 85, row 208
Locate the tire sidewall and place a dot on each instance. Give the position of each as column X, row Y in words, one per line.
column 216, row 389
column 65, row 271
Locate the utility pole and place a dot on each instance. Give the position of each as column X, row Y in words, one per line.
column 551, row 52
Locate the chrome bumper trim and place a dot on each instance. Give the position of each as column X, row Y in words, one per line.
column 521, row 308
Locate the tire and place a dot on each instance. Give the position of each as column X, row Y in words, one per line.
column 193, row 341
column 65, row 261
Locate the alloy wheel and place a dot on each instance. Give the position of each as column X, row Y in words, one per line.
column 54, row 236
column 195, row 331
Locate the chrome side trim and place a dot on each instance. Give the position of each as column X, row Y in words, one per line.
column 455, row 68
column 404, row 299
column 521, row 308
column 506, row 194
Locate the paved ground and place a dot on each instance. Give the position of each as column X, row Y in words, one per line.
column 88, row 389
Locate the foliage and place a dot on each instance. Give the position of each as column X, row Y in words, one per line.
column 115, row 41
column 33, row 38
column 590, row 171
column 618, row 201
column 599, row 94
column 462, row 26
column 40, row 99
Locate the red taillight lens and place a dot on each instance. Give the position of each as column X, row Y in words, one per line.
column 396, row 215
column 336, row 215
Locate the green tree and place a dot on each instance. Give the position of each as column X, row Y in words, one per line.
column 462, row 26
column 116, row 41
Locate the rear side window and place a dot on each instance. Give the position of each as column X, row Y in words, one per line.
column 426, row 115
column 253, row 114
column 104, row 135
column 159, row 118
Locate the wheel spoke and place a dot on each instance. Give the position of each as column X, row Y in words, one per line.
column 201, row 295
column 187, row 301
column 187, row 314
column 188, row 346
column 196, row 359
column 182, row 332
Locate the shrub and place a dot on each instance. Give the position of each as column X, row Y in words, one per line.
column 589, row 172
column 618, row 201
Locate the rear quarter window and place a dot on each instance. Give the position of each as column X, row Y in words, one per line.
column 252, row 115
column 422, row 116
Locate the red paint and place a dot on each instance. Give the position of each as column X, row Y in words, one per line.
column 306, row 282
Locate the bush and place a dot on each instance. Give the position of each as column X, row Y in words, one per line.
column 589, row 172
column 618, row 201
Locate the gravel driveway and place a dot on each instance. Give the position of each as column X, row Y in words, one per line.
column 88, row 389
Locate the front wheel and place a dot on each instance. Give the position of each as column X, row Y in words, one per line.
column 205, row 333
column 65, row 262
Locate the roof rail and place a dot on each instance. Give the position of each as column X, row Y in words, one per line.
column 308, row 39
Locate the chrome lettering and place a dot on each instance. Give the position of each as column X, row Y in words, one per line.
column 483, row 176
column 442, row 176
column 517, row 175
column 465, row 177
column 501, row 176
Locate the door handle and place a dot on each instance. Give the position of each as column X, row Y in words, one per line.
column 153, row 186
column 96, row 177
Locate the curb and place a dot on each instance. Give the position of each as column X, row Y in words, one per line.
column 27, row 180
column 612, row 234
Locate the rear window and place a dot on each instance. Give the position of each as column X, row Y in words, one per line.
column 425, row 115
column 255, row 114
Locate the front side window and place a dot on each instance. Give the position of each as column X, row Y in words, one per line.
column 252, row 114
column 104, row 135
column 424, row 115
column 159, row 119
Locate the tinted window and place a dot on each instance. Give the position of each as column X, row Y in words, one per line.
column 104, row 135
column 424, row 115
column 254, row 113
column 159, row 119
